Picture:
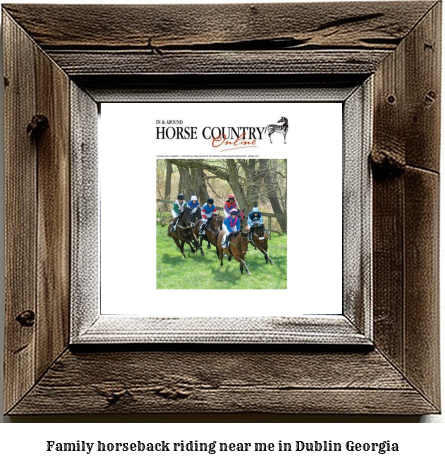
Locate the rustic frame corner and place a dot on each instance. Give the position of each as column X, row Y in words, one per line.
column 50, row 68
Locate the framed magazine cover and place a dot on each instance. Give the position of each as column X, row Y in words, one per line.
column 378, row 355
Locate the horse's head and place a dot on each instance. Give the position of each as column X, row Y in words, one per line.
column 216, row 222
column 187, row 216
column 258, row 228
column 282, row 120
column 243, row 241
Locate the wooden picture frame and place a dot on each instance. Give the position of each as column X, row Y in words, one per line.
column 56, row 71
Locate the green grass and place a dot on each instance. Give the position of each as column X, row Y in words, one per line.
column 173, row 271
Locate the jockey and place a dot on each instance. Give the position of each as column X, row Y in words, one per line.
column 230, row 224
column 254, row 218
column 178, row 205
column 229, row 205
column 178, row 208
column 207, row 211
column 193, row 205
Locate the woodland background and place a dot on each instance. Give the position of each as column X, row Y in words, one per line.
column 253, row 181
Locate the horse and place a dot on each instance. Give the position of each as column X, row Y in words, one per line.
column 271, row 128
column 196, row 215
column 259, row 238
column 184, row 232
column 237, row 248
column 211, row 230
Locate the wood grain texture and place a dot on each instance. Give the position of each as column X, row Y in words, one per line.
column 399, row 42
column 422, row 281
column 20, row 213
column 79, row 63
column 388, row 268
column 85, row 261
column 223, row 382
column 406, row 135
column 153, row 27
column 191, row 87
column 407, row 113
column 423, row 92
column 53, row 199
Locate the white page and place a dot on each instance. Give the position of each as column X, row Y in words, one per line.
column 128, row 151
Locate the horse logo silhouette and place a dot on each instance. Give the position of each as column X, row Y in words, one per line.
column 281, row 129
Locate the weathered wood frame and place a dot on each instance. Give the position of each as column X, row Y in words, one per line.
column 104, row 50
column 90, row 323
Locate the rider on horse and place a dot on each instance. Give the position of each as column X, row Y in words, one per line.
column 231, row 224
column 178, row 208
column 207, row 211
column 253, row 219
column 229, row 205
column 193, row 205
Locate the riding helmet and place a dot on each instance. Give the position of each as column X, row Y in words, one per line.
column 231, row 197
column 210, row 201
column 180, row 196
column 194, row 197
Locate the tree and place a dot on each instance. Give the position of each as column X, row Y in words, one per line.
column 252, row 181
column 168, row 180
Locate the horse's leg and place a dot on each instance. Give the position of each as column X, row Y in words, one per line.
column 267, row 255
column 181, row 248
column 198, row 246
column 242, row 266
column 245, row 266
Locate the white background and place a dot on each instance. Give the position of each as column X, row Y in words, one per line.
column 128, row 149
column 25, row 443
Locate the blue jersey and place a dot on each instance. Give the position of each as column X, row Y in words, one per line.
column 230, row 223
column 193, row 205
column 251, row 219
column 207, row 211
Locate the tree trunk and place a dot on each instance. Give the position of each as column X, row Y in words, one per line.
column 271, row 189
column 168, row 181
column 235, row 185
column 198, row 185
column 185, row 181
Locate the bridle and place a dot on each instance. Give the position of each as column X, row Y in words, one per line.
column 184, row 227
column 235, row 243
column 255, row 231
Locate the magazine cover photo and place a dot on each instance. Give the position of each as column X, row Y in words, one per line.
column 220, row 221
